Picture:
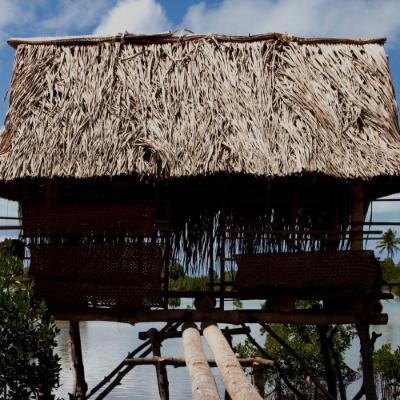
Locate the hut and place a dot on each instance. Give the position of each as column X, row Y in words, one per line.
column 251, row 159
column 253, row 155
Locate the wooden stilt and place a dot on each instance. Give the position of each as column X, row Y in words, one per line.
column 162, row 376
column 80, row 385
column 337, row 363
column 330, row 372
column 203, row 382
column 367, row 350
column 366, row 344
column 231, row 371
column 357, row 216
column 259, row 378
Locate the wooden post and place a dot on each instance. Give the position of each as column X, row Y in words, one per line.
column 259, row 378
column 222, row 262
column 367, row 350
column 80, row 385
column 162, row 376
column 233, row 377
column 357, row 216
column 211, row 271
column 366, row 347
column 203, row 383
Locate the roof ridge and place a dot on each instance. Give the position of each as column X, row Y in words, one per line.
column 166, row 37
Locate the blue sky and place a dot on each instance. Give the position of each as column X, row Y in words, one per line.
column 335, row 18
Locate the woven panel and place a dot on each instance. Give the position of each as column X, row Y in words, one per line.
column 120, row 275
column 60, row 219
column 69, row 295
column 357, row 270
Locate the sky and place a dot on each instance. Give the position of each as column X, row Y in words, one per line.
column 335, row 18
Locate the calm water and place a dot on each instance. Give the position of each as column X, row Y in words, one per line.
column 105, row 344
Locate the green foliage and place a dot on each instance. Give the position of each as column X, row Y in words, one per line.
column 305, row 340
column 28, row 366
column 391, row 274
column 176, row 270
column 174, row 302
column 387, row 371
column 389, row 243
column 237, row 304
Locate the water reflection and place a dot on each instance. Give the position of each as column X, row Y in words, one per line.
column 105, row 344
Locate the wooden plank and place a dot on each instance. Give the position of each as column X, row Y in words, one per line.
column 203, row 382
column 233, row 377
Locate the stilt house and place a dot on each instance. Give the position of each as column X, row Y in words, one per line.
column 249, row 159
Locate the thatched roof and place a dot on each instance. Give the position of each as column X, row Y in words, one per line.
column 166, row 106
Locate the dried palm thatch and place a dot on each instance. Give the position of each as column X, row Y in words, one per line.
column 164, row 107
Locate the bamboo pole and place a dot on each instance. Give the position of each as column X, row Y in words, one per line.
column 228, row 317
column 80, row 386
column 233, row 377
column 203, row 382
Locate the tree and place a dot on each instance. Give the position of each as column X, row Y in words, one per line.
column 29, row 369
column 389, row 243
column 387, row 372
column 391, row 274
column 306, row 341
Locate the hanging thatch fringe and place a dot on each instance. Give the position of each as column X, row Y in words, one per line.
column 161, row 106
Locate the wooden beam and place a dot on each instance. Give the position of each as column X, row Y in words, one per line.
column 233, row 377
column 177, row 334
column 203, row 382
column 235, row 317
column 80, row 386
column 178, row 362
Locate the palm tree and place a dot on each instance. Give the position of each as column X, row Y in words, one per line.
column 389, row 242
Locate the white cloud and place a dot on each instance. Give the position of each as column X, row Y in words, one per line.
column 306, row 17
column 11, row 14
column 134, row 16
column 74, row 15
